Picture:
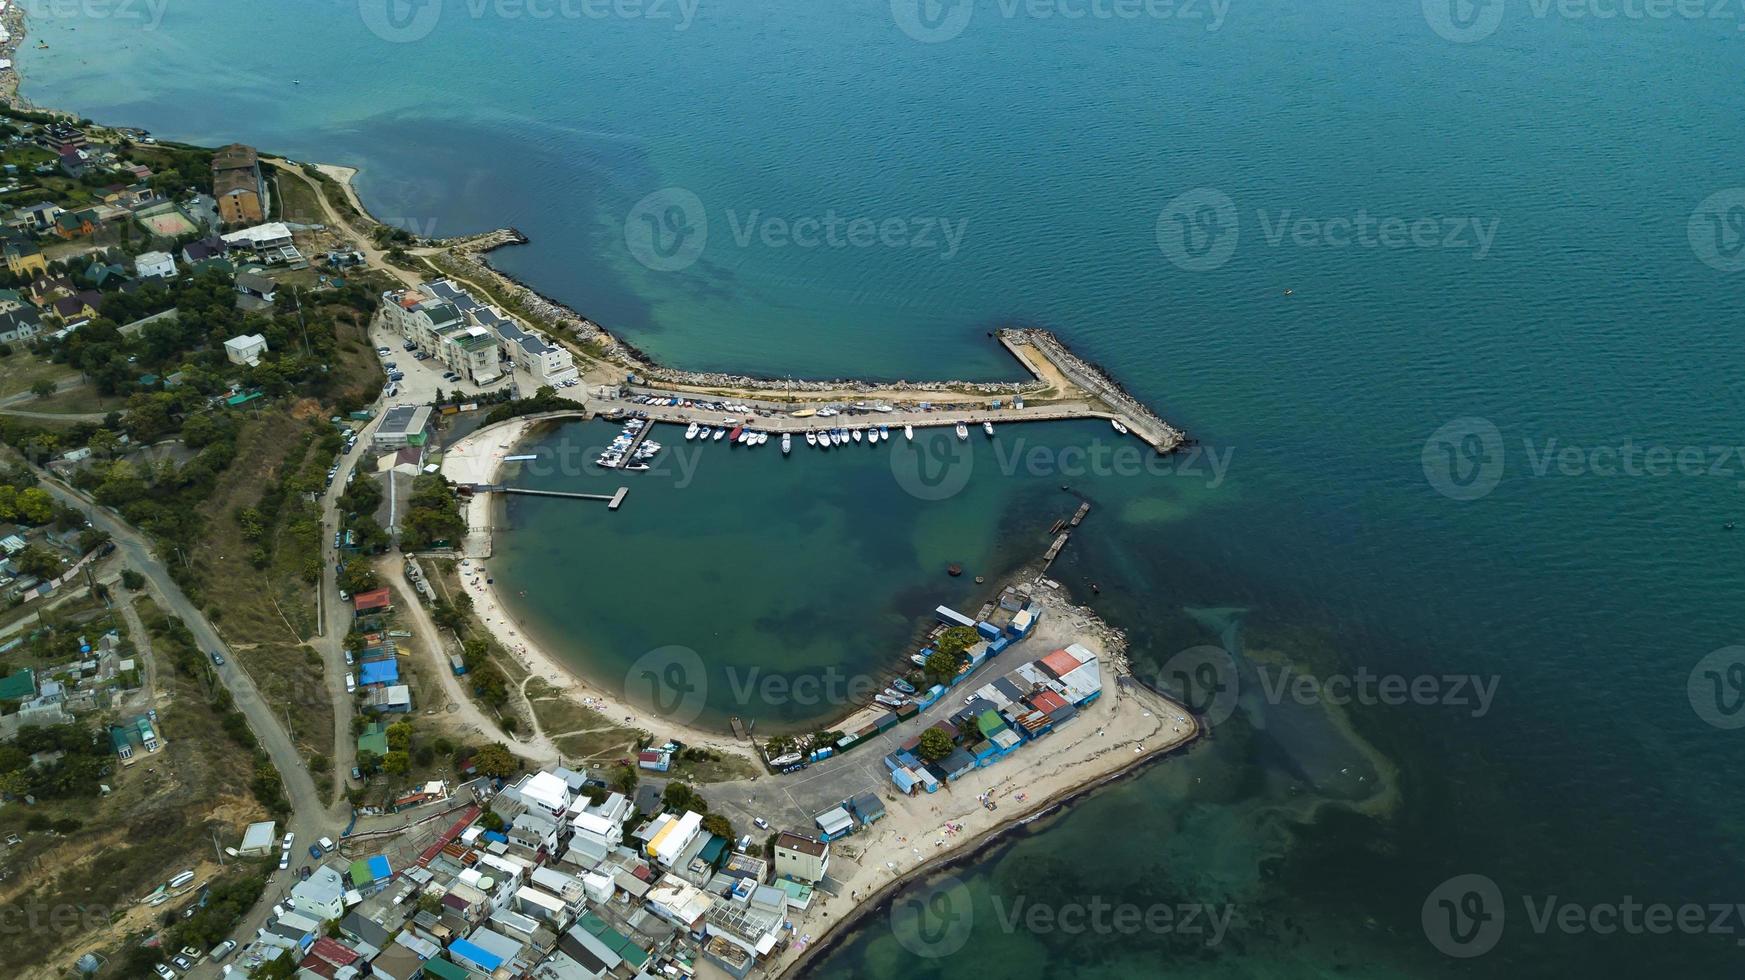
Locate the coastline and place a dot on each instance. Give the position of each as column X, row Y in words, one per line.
column 1126, row 730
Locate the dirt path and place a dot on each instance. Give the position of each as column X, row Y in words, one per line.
column 464, row 712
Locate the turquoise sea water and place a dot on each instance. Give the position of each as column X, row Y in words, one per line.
column 1583, row 144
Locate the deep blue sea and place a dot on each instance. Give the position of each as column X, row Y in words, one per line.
column 1455, row 290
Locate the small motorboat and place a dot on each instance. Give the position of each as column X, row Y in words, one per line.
column 918, row 659
column 691, row 431
column 787, row 443
column 811, row 438
column 736, row 434
column 903, row 686
column 909, row 432
column 1118, row 426
column 717, row 434
column 988, row 427
column 856, row 435
column 884, row 433
column 962, row 431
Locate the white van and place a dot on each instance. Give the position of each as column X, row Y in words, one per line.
column 326, row 844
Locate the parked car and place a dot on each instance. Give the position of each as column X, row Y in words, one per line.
column 182, row 963
column 223, row 949
column 762, row 824
column 357, row 774
column 383, row 351
column 315, row 851
column 191, row 954
column 348, row 658
column 217, row 659
column 326, row 844
column 163, row 971
column 350, row 682
column 284, row 860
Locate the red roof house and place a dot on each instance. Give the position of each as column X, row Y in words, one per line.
column 376, row 599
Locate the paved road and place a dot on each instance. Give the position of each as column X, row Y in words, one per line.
column 310, row 817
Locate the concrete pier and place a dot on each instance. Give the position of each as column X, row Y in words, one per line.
column 1063, row 387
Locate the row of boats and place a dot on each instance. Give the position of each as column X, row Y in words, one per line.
column 625, row 452
column 872, row 435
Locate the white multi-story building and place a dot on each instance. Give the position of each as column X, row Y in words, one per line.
column 473, row 339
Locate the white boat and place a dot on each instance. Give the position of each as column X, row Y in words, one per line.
column 988, row 427
column 917, row 659
column 857, row 435
column 811, row 438
column 762, row 437
column 716, row 435
column 1118, row 426
column 962, row 431
column 787, row 443
column 909, row 432
column 691, row 432
column 884, row 433
column 837, row 438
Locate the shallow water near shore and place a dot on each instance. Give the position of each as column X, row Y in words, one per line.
column 1588, row 322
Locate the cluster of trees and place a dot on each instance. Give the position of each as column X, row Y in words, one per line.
column 545, row 399
column 432, row 514
column 86, row 762
column 26, row 505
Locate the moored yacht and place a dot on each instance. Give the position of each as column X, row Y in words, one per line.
column 909, row 432
column 691, row 431
column 962, row 431
column 1118, row 426
column 988, row 427
column 811, row 438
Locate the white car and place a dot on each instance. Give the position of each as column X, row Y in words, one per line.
column 284, row 860
column 163, row 971
column 290, row 838
column 350, row 682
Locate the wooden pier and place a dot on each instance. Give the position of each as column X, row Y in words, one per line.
column 613, row 500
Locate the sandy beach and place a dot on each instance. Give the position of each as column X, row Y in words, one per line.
column 1128, row 727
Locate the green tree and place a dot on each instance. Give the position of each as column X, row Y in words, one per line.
column 719, row 825
column 956, row 640
column 35, row 506
column 43, row 388
column 624, row 779
column 496, row 760
column 400, row 736
column 396, row 763
column 941, row 666
column 935, row 745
